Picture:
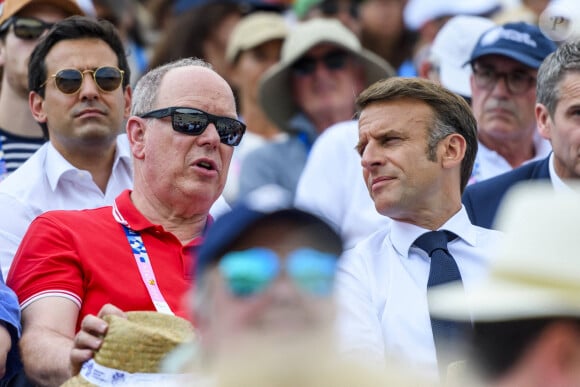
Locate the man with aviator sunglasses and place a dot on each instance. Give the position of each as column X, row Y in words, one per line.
column 22, row 23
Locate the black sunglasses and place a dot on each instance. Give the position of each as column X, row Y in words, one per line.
column 26, row 28
column 69, row 81
column 334, row 7
column 194, row 121
column 333, row 60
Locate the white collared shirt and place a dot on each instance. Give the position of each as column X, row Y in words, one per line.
column 47, row 181
column 382, row 290
column 489, row 163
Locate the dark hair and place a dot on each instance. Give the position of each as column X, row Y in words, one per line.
column 496, row 347
column 73, row 27
column 452, row 114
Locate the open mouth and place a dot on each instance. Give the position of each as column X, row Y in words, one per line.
column 206, row 165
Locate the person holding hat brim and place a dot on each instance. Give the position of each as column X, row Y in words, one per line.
column 526, row 313
column 322, row 69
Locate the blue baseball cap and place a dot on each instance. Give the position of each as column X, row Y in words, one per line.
column 520, row 41
column 232, row 226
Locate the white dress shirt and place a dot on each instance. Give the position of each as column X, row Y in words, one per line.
column 47, row 181
column 382, row 290
column 489, row 163
column 332, row 185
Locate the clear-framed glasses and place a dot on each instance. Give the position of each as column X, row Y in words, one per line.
column 517, row 82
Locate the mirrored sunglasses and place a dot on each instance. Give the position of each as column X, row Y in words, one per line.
column 69, row 81
column 26, row 28
column 250, row 272
column 333, row 60
column 194, row 121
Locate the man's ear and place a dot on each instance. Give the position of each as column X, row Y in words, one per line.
column 543, row 121
column 36, row 104
column 453, row 150
column 136, row 129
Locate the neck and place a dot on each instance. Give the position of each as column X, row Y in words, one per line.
column 257, row 122
column 515, row 151
column 322, row 121
column 15, row 115
column 431, row 216
column 97, row 159
column 179, row 221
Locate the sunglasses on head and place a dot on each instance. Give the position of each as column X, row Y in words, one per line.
column 194, row 121
column 333, row 60
column 69, row 81
column 26, row 28
column 251, row 272
column 334, row 7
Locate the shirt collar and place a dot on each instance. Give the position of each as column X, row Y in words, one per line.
column 403, row 235
column 56, row 166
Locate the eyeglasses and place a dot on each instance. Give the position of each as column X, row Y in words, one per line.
column 26, row 28
column 194, row 121
column 517, row 82
column 251, row 272
column 333, row 60
column 69, row 81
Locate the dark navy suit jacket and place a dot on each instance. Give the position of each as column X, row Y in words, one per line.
column 482, row 199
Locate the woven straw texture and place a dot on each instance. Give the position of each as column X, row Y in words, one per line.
column 138, row 343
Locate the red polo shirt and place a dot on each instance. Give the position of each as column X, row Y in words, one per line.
column 85, row 256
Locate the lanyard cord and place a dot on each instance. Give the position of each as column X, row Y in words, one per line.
column 144, row 264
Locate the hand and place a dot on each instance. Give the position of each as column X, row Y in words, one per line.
column 90, row 337
column 5, row 345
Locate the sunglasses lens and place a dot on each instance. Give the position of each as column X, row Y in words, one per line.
column 313, row 271
column 29, row 29
column 185, row 121
column 304, row 66
column 249, row 272
column 230, row 131
column 108, row 78
column 335, row 60
column 68, row 81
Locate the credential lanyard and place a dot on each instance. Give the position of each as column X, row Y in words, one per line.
column 144, row 265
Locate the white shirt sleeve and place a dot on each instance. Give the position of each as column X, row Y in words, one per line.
column 358, row 323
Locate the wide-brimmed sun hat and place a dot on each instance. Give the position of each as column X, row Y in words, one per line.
column 536, row 273
column 132, row 350
column 275, row 89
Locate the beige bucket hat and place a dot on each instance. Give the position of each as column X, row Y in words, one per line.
column 132, row 347
column 536, row 271
column 255, row 29
column 275, row 92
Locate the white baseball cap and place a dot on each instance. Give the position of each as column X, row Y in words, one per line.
column 452, row 47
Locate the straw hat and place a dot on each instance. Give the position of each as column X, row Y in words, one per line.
column 536, row 272
column 134, row 345
column 275, row 91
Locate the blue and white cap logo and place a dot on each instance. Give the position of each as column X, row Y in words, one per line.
column 495, row 34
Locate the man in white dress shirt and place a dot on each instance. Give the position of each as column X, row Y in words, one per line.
column 417, row 143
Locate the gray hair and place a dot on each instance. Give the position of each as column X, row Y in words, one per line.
column 145, row 93
column 552, row 70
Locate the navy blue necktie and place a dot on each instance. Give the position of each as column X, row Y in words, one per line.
column 443, row 270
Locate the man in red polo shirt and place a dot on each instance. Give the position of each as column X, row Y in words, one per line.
column 135, row 254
